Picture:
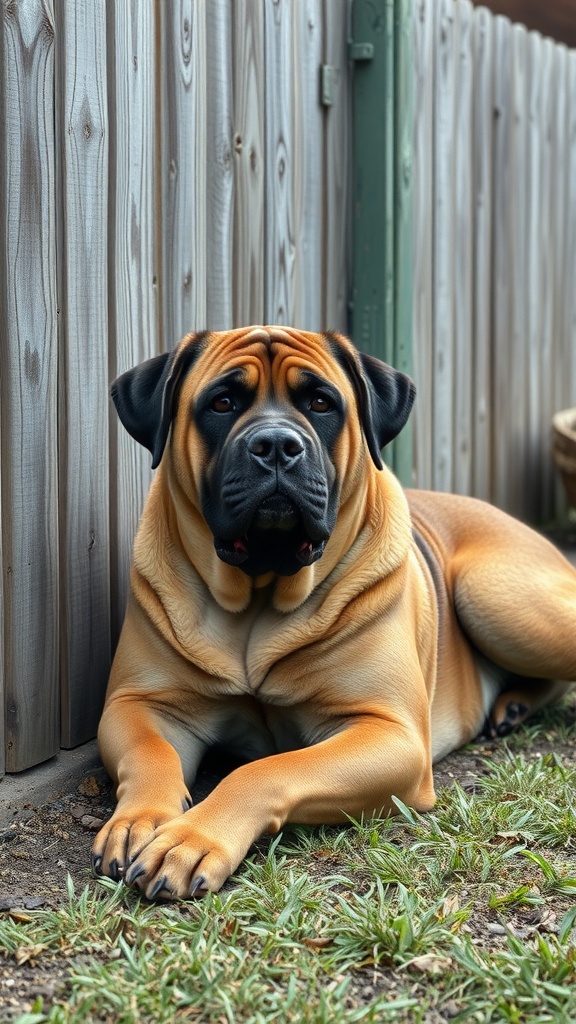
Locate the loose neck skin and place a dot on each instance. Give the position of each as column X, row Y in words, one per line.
column 373, row 515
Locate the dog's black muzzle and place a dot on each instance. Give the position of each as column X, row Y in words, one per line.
column 271, row 502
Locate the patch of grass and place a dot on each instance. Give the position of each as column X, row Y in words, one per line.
column 464, row 914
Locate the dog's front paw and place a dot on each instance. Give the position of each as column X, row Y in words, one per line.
column 120, row 841
column 182, row 860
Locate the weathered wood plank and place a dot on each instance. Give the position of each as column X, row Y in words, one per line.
column 548, row 102
column 28, row 384
column 301, row 70
column 220, row 165
column 249, row 162
column 403, row 254
column 183, row 167
column 463, row 252
column 445, row 85
column 502, row 261
column 280, row 241
column 83, row 304
column 514, row 363
column 534, row 383
column 337, row 136
column 134, row 276
column 483, row 115
column 561, row 215
column 423, row 49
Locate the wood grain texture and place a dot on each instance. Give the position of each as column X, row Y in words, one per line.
column 515, row 453
column 249, row 163
column 445, row 84
column 464, row 251
column 403, row 253
column 533, row 269
column 548, row 274
column 182, row 117
column 422, row 221
column 134, row 275
column 483, row 116
column 302, row 68
column 220, row 167
column 28, row 384
column 83, row 434
column 337, row 135
column 501, row 262
column 280, row 240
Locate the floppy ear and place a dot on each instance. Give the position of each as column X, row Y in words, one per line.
column 390, row 398
column 146, row 397
column 384, row 396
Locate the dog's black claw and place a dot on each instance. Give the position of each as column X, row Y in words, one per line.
column 160, row 885
column 198, row 883
column 504, row 729
column 96, row 864
column 135, row 872
column 187, row 803
column 116, row 870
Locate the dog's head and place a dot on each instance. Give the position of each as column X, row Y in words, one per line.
column 270, row 429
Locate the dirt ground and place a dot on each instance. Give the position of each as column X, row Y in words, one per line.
column 40, row 850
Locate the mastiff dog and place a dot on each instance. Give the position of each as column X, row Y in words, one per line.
column 291, row 603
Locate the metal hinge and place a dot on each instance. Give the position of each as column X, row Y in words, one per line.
column 360, row 51
column 329, row 78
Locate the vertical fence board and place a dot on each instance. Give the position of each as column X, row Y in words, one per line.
column 279, row 239
column 568, row 357
column 220, row 167
column 3, row 444
column 403, row 255
column 337, row 131
column 133, row 277
column 445, row 85
column 482, row 229
column 183, row 168
column 424, row 52
column 541, row 451
column 502, row 259
column 249, row 161
column 307, row 165
column 513, row 364
column 83, row 435
column 463, row 254
column 534, row 284
column 28, row 384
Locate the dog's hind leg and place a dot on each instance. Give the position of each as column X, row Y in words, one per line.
column 515, row 597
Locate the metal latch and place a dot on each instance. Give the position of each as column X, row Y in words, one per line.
column 360, row 51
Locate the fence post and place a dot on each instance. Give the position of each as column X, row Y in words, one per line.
column 381, row 292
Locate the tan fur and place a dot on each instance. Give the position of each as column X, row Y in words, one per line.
column 340, row 684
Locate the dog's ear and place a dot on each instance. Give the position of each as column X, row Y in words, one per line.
column 385, row 397
column 391, row 395
column 146, row 397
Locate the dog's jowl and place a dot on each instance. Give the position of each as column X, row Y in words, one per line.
column 291, row 602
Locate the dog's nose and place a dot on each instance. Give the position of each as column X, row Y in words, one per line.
column 271, row 446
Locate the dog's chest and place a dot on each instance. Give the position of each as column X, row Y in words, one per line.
column 251, row 654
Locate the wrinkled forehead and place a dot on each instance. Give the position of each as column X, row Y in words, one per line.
column 268, row 357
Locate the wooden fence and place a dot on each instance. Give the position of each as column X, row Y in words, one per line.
column 168, row 166
column 494, row 214
column 165, row 166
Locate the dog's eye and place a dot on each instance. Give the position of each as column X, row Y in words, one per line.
column 222, row 403
column 320, row 403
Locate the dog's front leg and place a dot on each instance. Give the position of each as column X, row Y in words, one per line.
column 354, row 772
column 138, row 748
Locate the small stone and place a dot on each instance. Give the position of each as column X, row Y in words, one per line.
column 89, row 786
column 91, row 823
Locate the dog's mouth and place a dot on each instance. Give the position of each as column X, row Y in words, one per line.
column 276, row 540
